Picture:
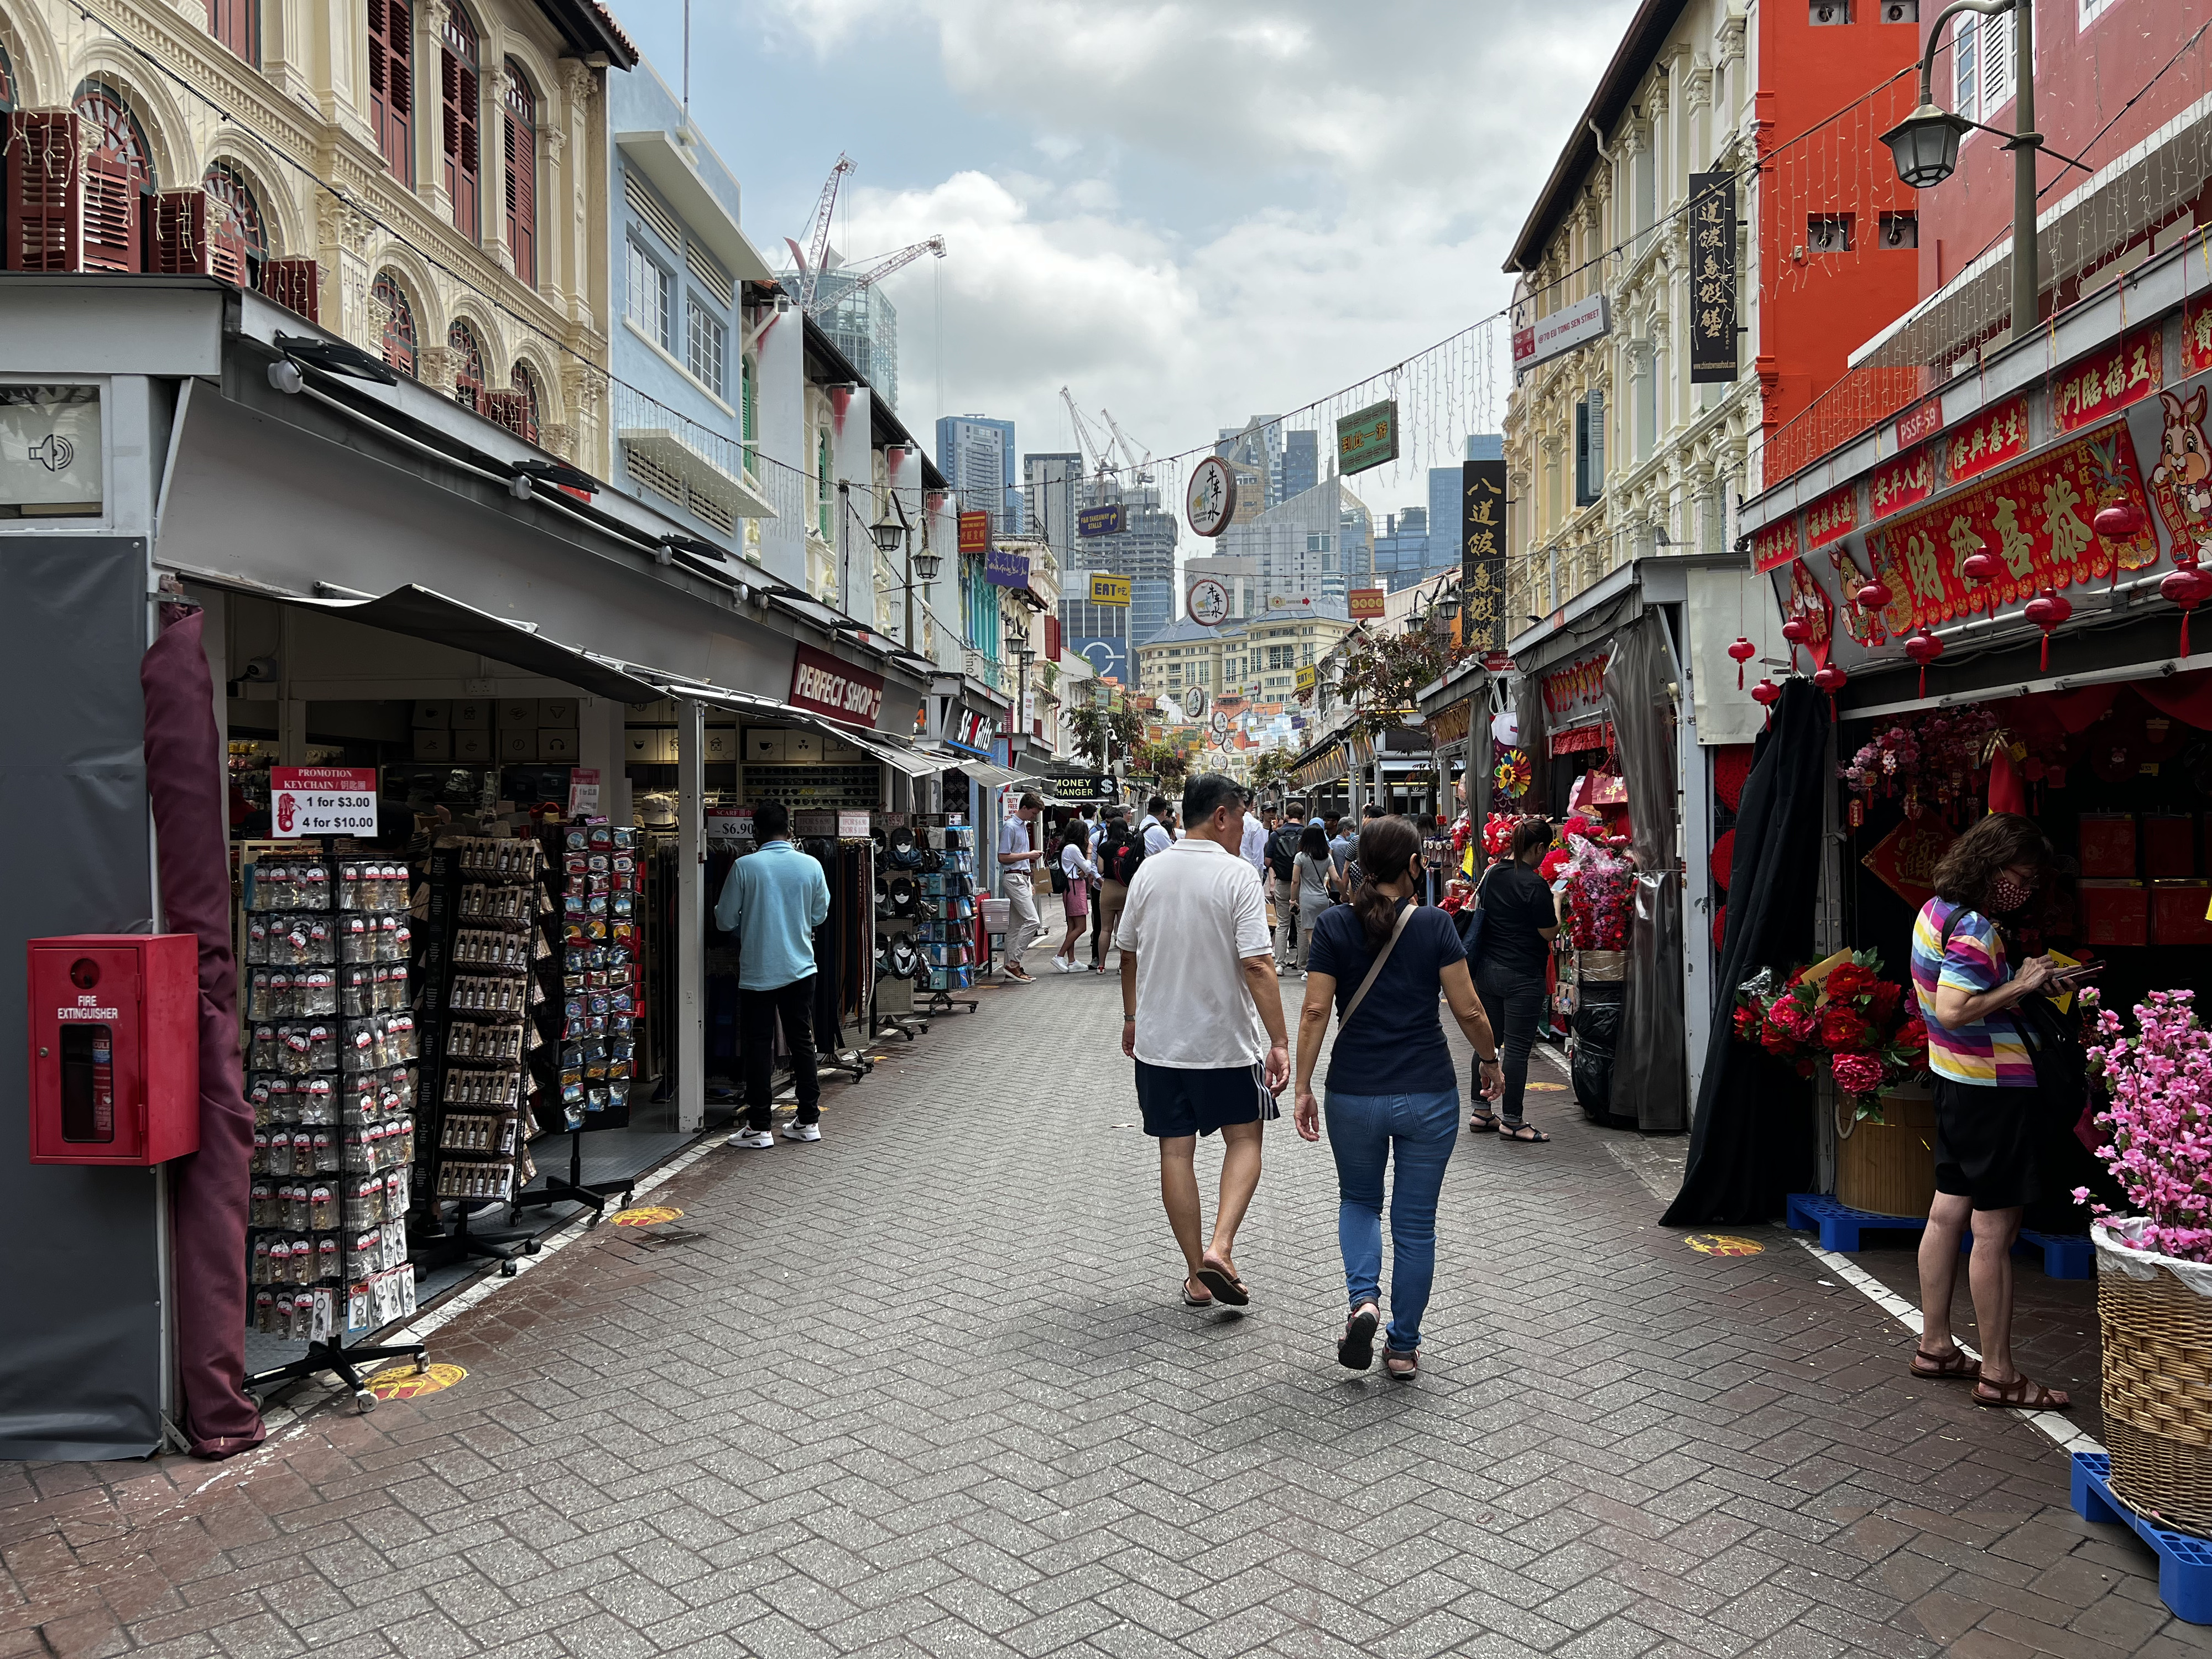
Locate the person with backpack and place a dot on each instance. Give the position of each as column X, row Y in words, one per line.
column 1121, row 852
column 1393, row 1096
column 1282, row 873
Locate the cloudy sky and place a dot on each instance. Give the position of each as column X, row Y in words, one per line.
column 1188, row 212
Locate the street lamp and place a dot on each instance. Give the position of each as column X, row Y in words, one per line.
column 1925, row 144
column 893, row 534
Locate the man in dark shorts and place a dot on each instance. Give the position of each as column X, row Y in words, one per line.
column 1202, row 1017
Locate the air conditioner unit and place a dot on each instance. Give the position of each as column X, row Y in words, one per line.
column 1826, row 12
column 1828, row 233
column 1900, row 230
column 1901, row 11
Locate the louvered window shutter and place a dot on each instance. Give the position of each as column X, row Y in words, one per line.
column 522, row 198
column 180, row 233
column 1581, row 454
column 111, row 216
column 294, row 284
column 392, row 84
column 46, row 190
column 1596, row 445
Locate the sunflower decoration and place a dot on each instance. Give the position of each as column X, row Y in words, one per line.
column 1512, row 776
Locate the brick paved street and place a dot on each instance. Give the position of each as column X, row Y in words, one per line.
column 926, row 1389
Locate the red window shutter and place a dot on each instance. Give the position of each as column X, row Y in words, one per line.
column 510, row 409
column 111, row 216
column 180, row 233
column 296, row 284
column 227, row 256
column 1052, row 638
column 391, row 84
column 522, row 198
column 46, row 191
column 460, row 140
column 232, row 23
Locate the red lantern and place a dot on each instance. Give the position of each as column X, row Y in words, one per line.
column 2185, row 589
column 1831, row 679
column 1874, row 596
column 2047, row 610
column 1798, row 632
column 1923, row 648
column 1981, row 566
column 2119, row 522
column 1743, row 651
column 1765, row 692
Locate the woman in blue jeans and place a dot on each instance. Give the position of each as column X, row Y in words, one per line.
column 1393, row 1093
column 1518, row 921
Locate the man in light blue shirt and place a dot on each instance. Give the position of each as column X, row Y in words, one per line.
column 773, row 901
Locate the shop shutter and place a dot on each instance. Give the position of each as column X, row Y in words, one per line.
column 180, row 233
column 462, row 157
column 392, row 84
column 522, row 196
column 112, row 202
column 294, row 284
column 46, row 190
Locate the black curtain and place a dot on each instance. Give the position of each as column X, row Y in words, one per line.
column 1751, row 1142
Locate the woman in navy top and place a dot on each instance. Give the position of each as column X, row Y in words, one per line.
column 1399, row 1098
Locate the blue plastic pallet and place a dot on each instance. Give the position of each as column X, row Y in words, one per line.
column 2184, row 1561
column 2065, row 1256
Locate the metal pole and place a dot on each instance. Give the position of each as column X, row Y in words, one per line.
column 691, row 902
column 2026, row 310
column 908, row 640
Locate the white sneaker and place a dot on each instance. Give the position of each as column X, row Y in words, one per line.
column 795, row 1130
column 1063, row 965
column 755, row 1138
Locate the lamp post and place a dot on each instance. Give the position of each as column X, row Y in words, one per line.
column 1023, row 658
column 1925, row 144
column 894, row 535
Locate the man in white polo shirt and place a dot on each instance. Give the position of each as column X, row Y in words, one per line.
column 1018, row 861
column 1202, row 1017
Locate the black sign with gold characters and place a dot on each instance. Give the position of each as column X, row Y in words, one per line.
column 1712, row 277
column 1482, row 555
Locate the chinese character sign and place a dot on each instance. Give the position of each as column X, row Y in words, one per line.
column 1833, row 517
column 975, row 532
column 2035, row 518
column 1482, row 556
column 1899, row 482
column 1712, row 277
column 1993, row 437
column 2108, row 381
column 1367, row 438
column 2196, row 335
column 1775, row 544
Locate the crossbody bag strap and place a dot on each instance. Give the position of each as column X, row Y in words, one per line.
column 1382, row 955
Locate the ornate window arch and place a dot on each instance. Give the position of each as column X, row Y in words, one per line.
column 519, row 126
column 118, row 134
column 119, row 176
column 459, row 55
column 468, row 364
column 401, row 345
column 227, row 182
column 525, row 382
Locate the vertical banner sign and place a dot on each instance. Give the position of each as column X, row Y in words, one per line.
column 1712, row 277
column 1482, row 556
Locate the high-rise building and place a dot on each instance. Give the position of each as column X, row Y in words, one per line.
column 976, row 454
column 1446, row 485
column 863, row 323
column 1049, row 501
column 1297, row 544
column 1143, row 550
column 1256, row 451
column 1401, row 551
column 1300, row 463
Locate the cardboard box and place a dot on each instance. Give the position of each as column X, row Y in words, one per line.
column 2169, row 846
column 2178, row 913
column 2108, row 845
column 765, row 745
column 557, row 745
column 556, row 711
column 518, row 714
column 433, row 745
column 472, row 714
column 518, row 746
column 433, row 716
column 2115, row 912
column 473, row 748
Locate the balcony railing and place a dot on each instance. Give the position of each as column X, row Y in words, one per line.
column 989, row 669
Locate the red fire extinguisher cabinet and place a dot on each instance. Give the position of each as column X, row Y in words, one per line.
column 114, row 1047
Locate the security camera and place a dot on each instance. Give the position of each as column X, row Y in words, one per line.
column 260, row 668
column 284, row 375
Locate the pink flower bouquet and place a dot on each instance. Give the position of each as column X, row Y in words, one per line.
column 2159, row 1123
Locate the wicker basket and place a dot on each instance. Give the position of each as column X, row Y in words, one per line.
column 2157, row 1334
column 1889, row 1167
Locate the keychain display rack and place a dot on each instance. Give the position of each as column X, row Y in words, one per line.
column 486, row 907
column 945, row 934
column 589, row 1015
column 330, row 1072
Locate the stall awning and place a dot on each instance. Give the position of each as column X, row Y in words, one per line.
column 984, row 772
column 892, row 750
column 424, row 615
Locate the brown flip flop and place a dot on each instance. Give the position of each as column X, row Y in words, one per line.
column 1227, row 1288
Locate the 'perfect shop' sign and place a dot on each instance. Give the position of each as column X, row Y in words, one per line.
column 821, row 684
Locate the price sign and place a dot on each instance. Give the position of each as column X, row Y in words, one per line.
column 321, row 800
column 583, row 791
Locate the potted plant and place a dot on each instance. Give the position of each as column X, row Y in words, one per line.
column 2155, row 1268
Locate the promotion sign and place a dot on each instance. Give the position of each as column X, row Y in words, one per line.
column 2035, row 518
column 823, row 685
column 1363, row 603
column 1482, row 555
column 321, row 800
column 1712, row 277
column 1101, row 520
column 583, row 791
column 1368, row 438
column 975, row 532
column 1108, row 590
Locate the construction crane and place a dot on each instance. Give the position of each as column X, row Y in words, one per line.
column 1139, row 466
column 1086, row 440
column 810, row 257
column 851, row 284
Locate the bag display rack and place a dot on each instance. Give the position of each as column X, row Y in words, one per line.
column 485, row 913
column 329, row 1050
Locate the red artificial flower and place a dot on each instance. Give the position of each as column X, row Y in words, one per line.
column 1555, row 861
column 1792, row 1018
column 1844, row 1029
column 1749, row 1021
column 1882, row 1008
column 1913, row 1037
column 1848, row 981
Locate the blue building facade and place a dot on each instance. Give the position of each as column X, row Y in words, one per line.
column 683, row 396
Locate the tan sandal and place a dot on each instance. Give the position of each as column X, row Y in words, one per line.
column 1953, row 1367
column 2022, row 1394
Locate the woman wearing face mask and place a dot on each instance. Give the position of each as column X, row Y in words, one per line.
column 1986, row 1103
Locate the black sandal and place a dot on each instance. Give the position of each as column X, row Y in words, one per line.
column 1190, row 1301
column 1227, row 1288
column 1482, row 1123
column 1527, row 1134
column 1355, row 1349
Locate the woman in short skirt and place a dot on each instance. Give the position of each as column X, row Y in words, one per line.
column 1075, row 864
